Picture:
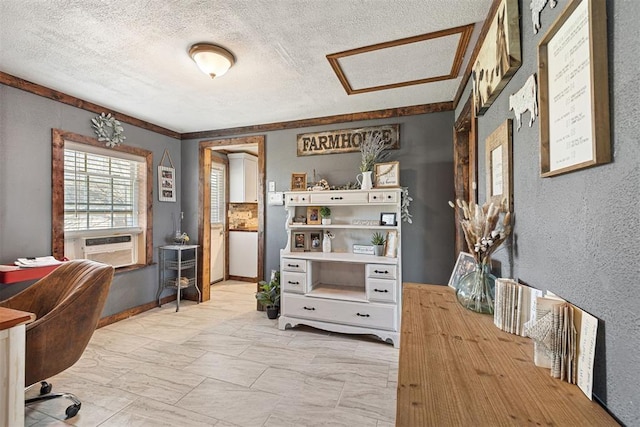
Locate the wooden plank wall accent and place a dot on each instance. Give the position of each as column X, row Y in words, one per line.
column 327, row 120
column 36, row 89
column 57, row 191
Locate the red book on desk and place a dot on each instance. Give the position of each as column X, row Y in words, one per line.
column 13, row 274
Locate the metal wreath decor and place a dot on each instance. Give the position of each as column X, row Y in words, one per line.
column 108, row 129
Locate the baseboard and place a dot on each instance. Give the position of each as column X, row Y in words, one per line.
column 133, row 311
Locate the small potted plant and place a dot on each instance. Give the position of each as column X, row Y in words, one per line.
column 325, row 213
column 378, row 240
column 269, row 295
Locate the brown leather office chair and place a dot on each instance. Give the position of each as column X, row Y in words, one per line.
column 68, row 303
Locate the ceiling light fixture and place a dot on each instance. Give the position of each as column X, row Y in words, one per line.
column 213, row 60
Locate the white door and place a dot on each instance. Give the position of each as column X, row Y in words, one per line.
column 218, row 173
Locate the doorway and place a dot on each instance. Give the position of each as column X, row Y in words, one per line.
column 205, row 206
column 465, row 164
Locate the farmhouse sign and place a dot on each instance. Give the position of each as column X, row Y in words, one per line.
column 346, row 140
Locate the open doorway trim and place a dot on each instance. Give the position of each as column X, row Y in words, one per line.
column 204, row 205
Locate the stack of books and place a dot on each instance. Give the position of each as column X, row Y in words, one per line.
column 515, row 306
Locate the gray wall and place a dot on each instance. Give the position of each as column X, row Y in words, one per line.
column 426, row 168
column 577, row 234
column 26, row 121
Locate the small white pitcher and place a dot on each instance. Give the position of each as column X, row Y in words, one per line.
column 366, row 183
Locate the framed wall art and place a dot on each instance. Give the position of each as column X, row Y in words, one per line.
column 166, row 180
column 298, row 182
column 499, row 57
column 574, row 90
column 498, row 165
column 387, row 174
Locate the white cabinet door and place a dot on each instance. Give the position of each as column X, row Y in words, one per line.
column 243, row 253
column 243, row 178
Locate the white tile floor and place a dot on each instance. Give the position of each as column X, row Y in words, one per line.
column 223, row 363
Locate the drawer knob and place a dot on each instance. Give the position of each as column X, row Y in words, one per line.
column 293, row 283
column 362, row 315
column 388, row 197
column 336, row 198
column 381, row 290
column 378, row 271
column 293, row 265
column 309, row 308
column 375, row 197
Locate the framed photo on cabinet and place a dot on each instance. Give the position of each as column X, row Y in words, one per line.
column 299, row 241
column 387, row 174
column 298, row 182
column 466, row 263
column 313, row 215
column 574, row 90
column 315, row 241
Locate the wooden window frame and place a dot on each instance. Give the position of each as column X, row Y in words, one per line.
column 58, row 138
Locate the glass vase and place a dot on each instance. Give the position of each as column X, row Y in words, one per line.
column 476, row 290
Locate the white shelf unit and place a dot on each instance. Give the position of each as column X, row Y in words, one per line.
column 341, row 291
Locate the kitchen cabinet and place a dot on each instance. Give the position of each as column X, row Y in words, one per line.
column 243, row 178
column 243, row 254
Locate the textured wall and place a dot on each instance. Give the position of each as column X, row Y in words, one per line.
column 425, row 167
column 578, row 234
column 26, row 121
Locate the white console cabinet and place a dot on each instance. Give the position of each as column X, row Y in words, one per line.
column 341, row 291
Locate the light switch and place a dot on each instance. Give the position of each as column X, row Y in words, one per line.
column 272, row 186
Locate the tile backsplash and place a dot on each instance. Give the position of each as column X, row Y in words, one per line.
column 243, row 216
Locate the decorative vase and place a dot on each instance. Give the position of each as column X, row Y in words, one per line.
column 326, row 244
column 476, row 290
column 366, row 183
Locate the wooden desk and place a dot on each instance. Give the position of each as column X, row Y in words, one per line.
column 24, row 274
column 12, row 345
column 458, row 369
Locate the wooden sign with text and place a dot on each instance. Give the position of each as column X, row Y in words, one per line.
column 346, row 140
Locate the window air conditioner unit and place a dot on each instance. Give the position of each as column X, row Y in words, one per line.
column 118, row 251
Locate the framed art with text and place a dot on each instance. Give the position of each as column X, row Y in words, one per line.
column 574, row 90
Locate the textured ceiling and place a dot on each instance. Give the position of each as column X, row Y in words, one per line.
column 131, row 55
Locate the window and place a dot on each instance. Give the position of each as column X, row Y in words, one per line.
column 102, row 190
column 100, row 206
column 217, row 193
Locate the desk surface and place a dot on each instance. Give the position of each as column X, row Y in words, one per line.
column 457, row 368
column 10, row 318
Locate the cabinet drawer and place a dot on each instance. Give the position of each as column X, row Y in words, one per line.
column 381, row 316
column 337, row 197
column 292, row 264
column 381, row 271
column 300, row 198
column 383, row 290
column 383, row 197
column 294, row 282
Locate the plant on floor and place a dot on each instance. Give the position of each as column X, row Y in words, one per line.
column 269, row 295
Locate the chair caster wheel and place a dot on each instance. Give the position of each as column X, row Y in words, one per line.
column 45, row 387
column 72, row 411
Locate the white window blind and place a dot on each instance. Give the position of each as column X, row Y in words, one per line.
column 101, row 191
column 217, row 194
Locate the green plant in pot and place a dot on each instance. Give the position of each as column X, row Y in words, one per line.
column 325, row 213
column 269, row 295
column 378, row 240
